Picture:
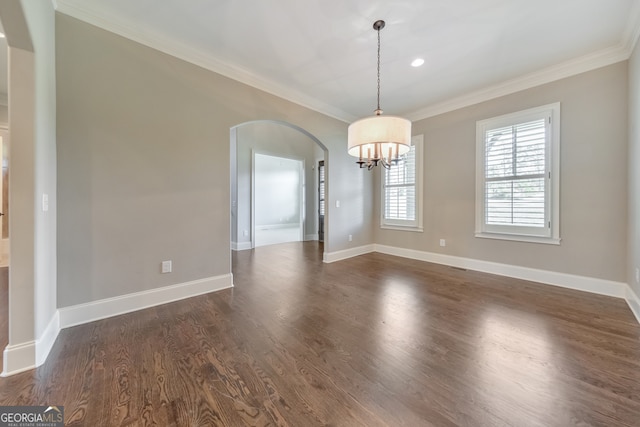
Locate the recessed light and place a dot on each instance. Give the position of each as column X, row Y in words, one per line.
column 417, row 62
column 1, row 35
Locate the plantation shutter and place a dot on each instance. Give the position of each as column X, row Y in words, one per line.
column 515, row 174
column 400, row 189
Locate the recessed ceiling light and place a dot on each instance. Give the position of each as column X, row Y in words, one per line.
column 417, row 62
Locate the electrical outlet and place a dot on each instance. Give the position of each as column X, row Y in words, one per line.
column 351, row 237
column 166, row 267
column 443, row 242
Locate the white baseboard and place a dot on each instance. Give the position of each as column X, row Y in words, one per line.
column 101, row 309
column 242, row 246
column 310, row 237
column 329, row 257
column 18, row 358
column 29, row 355
column 634, row 303
column 571, row 281
column 47, row 339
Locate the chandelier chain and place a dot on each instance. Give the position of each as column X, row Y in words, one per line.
column 378, row 69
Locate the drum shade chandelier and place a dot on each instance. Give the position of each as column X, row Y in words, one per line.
column 379, row 139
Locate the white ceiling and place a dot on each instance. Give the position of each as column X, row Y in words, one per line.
column 322, row 53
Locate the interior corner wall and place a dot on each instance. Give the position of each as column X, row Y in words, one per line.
column 143, row 166
column 41, row 21
column 4, row 115
column 280, row 140
column 634, row 169
column 593, row 181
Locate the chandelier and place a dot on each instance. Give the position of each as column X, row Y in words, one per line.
column 379, row 139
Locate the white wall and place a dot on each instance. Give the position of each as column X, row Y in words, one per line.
column 278, row 190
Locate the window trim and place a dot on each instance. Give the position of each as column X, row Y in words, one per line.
column 398, row 225
column 552, row 171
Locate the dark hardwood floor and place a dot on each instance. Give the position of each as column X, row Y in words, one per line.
column 4, row 311
column 371, row 341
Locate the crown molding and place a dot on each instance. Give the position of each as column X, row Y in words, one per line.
column 632, row 32
column 199, row 58
column 575, row 66
column 547, row 75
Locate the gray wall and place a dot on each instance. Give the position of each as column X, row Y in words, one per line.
column 4, row 115
column 41, row 21
column 29, row 27
column 634, row 168
column 279, row 140
column 144, row 169
column 593, row 193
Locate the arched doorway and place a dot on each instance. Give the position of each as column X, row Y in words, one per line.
column 276, row 139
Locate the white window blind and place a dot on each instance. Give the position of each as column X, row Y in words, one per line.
column 321, row 188
column 518, row 171
column 515, row 174
column 402, row 190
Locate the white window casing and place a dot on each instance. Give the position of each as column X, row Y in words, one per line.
column 518, row 176
column 402, row 192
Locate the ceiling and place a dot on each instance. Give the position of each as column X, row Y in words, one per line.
column 322, row 53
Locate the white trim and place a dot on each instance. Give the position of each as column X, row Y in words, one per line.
column 29, row 355
column 402, row 228
column 556, row 72
column 634, row 302
column 194, row 56
column 632, row 32
column 329, row 257
column 417, row 141
column 569, row 68
column 44, row 344
column 520, row 238
column 242, row 246
column 18, row 358
column 551, row 233
column 101, row 309
column 311, row 237
column 570, row 281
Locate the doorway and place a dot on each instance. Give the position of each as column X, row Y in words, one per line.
column 278, row 200
column 321, row 197
column 4, row 199
column 281, row 140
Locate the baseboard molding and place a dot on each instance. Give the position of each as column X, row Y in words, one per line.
column 311, row 237
column 26, row 356
column 571, row 281
column 18, row 358
column 47, row 339
column 329, row 257
column 101, row 309
column 242, row 246
column 634, row 303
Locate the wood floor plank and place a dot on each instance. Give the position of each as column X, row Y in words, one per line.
column 375, row 340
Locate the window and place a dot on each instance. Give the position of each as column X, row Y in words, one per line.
column 517, row 186
column 402, row 190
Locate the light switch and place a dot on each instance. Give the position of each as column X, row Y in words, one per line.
column 45, row 202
